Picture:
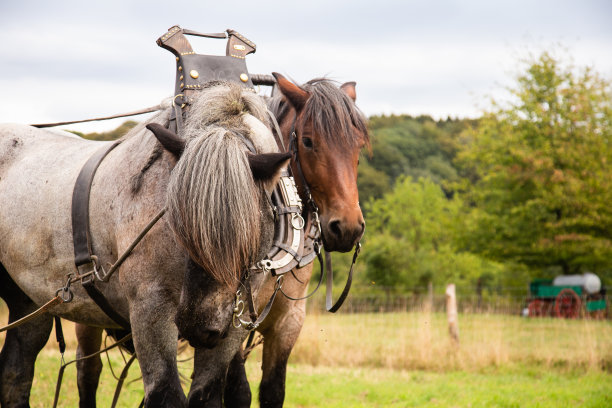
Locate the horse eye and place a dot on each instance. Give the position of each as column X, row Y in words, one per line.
column 307, row 142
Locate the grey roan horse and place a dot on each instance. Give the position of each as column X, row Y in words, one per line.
column 330, row 133
column 217, row 224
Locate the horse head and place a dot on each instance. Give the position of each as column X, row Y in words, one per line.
column 329, row 132
column 218, row 203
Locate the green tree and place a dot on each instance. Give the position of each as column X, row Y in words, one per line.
column 410, row 239
column 541, row 168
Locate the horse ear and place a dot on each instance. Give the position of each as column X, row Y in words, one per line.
column 349, row 89
column 266, row 166
column 168, row 139
column 296, row 96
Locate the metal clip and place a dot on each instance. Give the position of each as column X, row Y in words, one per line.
column 97, row 268
column 238, row 310
column 65, row 291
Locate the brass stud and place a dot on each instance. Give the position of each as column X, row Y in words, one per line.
column 244, row 77
column 194, row 74
column 177, row 58
column 181, row 78
column 180, row 68
column 182, row 84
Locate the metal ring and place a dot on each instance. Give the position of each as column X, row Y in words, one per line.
column 300, row 221
column 66, row 294
column 174, row 99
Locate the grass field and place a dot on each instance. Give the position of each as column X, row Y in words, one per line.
column 405, row 360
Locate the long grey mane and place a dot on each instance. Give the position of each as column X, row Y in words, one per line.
column 213, row 202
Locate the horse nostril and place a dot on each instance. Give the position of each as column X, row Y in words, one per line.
column 362, row 228
column 334, row 227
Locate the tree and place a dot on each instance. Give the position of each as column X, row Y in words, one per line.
column 410, row 239
column 542, row 174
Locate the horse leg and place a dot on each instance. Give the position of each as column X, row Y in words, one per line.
column 156, row 338
column 88, row 370
column 21, row 346
column 210, row 371
column 279, row 340
column 237, row 390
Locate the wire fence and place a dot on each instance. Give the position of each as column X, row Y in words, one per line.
column 506, row 301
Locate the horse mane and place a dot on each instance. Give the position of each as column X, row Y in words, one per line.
column 212, row 201
column 332, row 111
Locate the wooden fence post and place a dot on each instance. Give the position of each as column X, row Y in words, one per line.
column 430, row 297
column 451, row 312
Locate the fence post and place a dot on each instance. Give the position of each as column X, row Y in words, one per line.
column 451, row 312
column 430, row 297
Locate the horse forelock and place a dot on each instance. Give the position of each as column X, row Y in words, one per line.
column 333, row 114
column 213, row 204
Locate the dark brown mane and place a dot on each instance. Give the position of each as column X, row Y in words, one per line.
column 332, row 112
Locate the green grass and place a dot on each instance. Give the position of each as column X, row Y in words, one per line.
column 405, row 360
column 308, row 386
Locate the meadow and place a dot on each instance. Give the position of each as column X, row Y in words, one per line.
column 404, row 360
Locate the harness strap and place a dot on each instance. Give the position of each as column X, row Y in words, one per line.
column 256, row 320
column 319, row 256
column 289, row 250
column 120, row 115
column 59, row 335
column 330, row 278
column 60, row 374
column 98, row 297
column 80, row 206
column 83, row 254
column 43, row 309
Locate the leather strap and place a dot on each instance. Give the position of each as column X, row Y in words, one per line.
column 256, row 320
column 120, row 115
column 43, row 309
column 80, row 206
column 330, row 278
column 102, row 302
column 59, row 334
column 81, row 235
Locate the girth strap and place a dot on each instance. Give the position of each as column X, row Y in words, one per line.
column 83, row 254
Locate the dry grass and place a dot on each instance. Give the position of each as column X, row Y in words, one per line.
column 420, row 340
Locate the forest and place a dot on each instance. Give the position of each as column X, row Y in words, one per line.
column 521, row 192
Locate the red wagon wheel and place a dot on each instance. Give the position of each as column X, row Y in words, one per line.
column 567, row 304
column 537, row 308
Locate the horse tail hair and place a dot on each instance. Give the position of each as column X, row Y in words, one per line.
column 211, row 204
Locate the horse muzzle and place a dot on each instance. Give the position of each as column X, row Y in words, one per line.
column 341, row 235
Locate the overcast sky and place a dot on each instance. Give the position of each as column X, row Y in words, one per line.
column 64, row 60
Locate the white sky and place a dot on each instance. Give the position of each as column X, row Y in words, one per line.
column 62, row 60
